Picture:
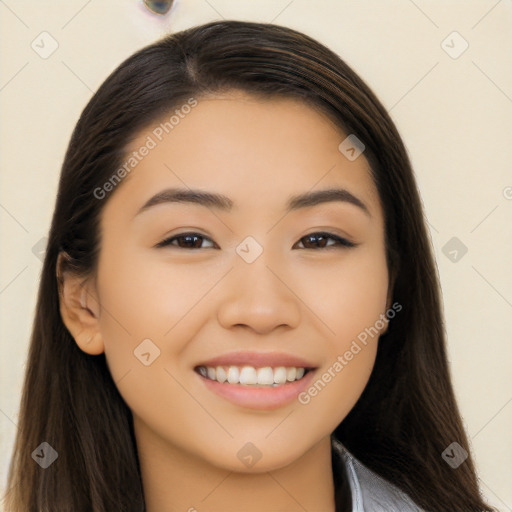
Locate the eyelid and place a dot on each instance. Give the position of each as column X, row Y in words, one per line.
column 342, row 242
column 166, row 242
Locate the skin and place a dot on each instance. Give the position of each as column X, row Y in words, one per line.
column 195, row 304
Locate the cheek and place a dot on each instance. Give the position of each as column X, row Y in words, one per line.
column 350, row 307
column 337, row 387
column 349, row 294
column 141, row 300
column 147, row 296
column 149, row 313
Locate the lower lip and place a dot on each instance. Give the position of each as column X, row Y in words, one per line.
column 261, row 398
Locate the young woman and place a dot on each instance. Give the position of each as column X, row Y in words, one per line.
column 239, row 307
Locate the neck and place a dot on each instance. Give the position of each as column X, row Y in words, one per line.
column 176, row 480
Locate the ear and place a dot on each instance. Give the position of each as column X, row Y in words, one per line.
column 79, row 308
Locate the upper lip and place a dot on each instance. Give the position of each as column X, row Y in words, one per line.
column 258, row 360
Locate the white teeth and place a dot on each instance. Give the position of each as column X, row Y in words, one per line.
column 291, row 374
column 265, row 376
column 233, row 375
column 250, row 376
column 221, row 374
column 280, row 375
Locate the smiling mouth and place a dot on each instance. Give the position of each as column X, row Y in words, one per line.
column 251, row 376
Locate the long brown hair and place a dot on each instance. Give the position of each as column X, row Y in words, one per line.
column 407, row 415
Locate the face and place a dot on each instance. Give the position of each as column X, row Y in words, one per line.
column 255, row 280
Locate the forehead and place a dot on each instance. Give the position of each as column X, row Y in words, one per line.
column 253, row 150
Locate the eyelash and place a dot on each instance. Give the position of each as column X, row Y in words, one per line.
column 342, row 242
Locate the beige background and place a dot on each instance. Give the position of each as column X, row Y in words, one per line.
column 453, row 113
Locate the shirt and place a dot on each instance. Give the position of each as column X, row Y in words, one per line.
column 370, row 492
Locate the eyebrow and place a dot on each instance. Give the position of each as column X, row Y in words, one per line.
column 224, row 203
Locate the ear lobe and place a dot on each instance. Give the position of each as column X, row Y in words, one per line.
column 79, row 308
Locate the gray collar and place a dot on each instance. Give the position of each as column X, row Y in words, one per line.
column 370, row 492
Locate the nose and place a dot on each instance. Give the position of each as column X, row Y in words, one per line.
column 259, row 296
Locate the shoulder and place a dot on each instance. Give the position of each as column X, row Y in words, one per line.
column 370, row 492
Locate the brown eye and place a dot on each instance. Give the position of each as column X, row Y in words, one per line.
column 185, row 241
column 321, row 241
